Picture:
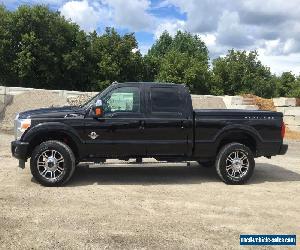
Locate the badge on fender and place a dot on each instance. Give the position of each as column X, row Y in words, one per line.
column 93, row 135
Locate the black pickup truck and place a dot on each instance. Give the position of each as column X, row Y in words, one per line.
column 135, row 120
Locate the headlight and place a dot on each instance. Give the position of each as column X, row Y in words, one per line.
column 20, row 126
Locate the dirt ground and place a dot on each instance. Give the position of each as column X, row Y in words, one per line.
column 149, row 206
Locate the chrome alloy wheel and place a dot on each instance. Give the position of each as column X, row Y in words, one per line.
column 50, row 165
column 237, row 164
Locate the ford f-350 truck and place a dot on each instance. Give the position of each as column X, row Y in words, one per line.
column 136, row 120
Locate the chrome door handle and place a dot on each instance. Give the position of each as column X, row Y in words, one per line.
column 182, row 124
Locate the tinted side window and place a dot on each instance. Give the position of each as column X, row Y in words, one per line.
column 165, row 99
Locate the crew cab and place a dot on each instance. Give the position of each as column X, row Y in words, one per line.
column 136, row 120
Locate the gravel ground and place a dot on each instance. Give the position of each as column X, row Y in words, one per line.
column 149, row 206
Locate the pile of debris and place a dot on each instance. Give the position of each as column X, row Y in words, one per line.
column 79, row 100
column 261, row 103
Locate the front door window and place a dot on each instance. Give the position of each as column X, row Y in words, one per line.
column 124, row 99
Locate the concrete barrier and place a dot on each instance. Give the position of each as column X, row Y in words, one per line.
column 284, row 102
column 208, row 102
column 291, row 113
column 292, row 120
column 285, row 105
column 237, row 102
column 19, row 90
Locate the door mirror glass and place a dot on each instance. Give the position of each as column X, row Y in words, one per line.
column 98, row 109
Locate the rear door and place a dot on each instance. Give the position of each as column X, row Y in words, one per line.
column 167, row 127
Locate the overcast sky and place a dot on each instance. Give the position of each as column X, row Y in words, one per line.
column 270, row 26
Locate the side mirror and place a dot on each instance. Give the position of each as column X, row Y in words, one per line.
column 98, row 109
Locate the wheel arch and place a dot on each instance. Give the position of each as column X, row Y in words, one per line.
column 240, row 135
column 53, row 131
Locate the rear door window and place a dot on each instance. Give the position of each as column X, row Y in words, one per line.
column 165, row 100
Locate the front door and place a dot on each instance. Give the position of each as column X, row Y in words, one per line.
column 119, row 133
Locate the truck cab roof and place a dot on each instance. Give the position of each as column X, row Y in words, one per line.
column 167, row 84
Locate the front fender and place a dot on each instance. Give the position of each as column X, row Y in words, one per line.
column 49, row 127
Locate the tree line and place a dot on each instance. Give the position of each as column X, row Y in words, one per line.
column 39, row 48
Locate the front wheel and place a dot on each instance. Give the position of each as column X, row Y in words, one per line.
column 235, row 163
column 52, row 163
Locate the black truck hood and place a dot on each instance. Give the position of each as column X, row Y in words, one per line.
column 58, row 112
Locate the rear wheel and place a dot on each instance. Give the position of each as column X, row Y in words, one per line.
column 52, row 163
column 235, row 163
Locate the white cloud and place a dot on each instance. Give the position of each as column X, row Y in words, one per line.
column 133, row 14
column 270, row 26
column 231, row 33
column 273, row 7
column 202, row 16
column 281, row 63
column 87, row 16
column 209, row 39
column 172, row 26
column 291, row 46
column 45, row 2
column 245, row 24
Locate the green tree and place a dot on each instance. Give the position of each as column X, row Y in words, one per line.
column 6, row 54
column 161, row 45
column 288, row 85
column 296, row 89
column 115, row 58
column 152, row 60
column 241, row 72
column 182, row 59
column 40, row 48
column 177, row 67
column 43, row 49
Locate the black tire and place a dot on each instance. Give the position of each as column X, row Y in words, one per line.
column 235, row 171
column 63, row 167
column 206, row 164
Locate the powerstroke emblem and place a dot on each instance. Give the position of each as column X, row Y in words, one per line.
column 260, row 117
column 93, row 135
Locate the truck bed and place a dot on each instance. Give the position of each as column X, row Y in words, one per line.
column 260, row 128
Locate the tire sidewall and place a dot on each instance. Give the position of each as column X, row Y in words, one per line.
column 69, row 163
column 221, row 163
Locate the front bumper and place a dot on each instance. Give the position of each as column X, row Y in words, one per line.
column 19, row 149
column 283, row 149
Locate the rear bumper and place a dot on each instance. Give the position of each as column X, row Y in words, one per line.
column 19, row 149
column 283, row 149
